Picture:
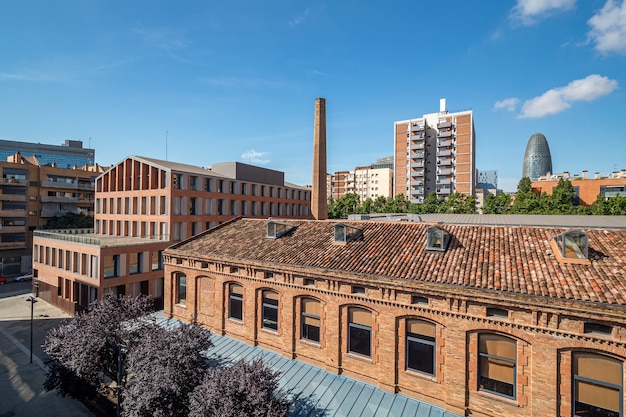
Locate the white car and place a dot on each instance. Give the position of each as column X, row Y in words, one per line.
column 26, row 277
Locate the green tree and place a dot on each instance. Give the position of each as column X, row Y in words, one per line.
column 70, row 221
column 457, row 203
column 526, row 202
column 431, row 204
column 497, row 204
column 345, row 205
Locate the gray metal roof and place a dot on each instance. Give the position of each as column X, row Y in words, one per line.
column 532, row 220
column 316, row 392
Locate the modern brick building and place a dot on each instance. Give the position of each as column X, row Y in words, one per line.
column 142, row 206
column 587, row 188
column 481, row 319
column 435, row 153
column 30, row 195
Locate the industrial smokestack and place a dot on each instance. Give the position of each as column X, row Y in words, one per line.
column 319, row 204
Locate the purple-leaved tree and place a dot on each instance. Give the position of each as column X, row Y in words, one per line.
column 164, row 368
column 84, row 350
column 241, row 390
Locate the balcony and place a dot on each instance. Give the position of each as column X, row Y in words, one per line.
column 416, row 146
column 444, row 161
column 444, row 153
column 418, row 164
column 417, row 182
column 13, row 181
column 13, row 229
column 444, row 134
column 443, row 171
column 56, row 199
column 419, row 154
column 12, row 197
column 419, row 173
column 12, row 213
column 417, row 127
column 444, row 143
column 442, row 181
column 417, row 191
column 12, row 245
column 444, row 190
column 442, row 125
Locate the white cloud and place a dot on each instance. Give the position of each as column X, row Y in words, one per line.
column 509, row 104
column 529, row 12
column 608, row 28
column 300, row 19
column 559, row 99
column 252, row 156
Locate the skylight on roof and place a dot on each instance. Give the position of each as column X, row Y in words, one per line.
column 277, row 229
column 436, row 239
column 344, row 233
column 573, row 244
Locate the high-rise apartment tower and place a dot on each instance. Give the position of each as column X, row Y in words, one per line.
column 435, row 153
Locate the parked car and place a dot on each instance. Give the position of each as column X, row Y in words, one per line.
column 25, row 277
column 3, row 280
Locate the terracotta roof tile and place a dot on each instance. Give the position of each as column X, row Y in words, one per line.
column 515, row 259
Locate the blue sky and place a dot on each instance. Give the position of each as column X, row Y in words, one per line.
column 236, row 80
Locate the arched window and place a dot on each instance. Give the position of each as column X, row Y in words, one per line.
column 360, row 331
column 420, row 346
column 598, row 389
column 270, row 310
column 497, row 364
column 235, row 301
column 311, row 320
column 181, row 288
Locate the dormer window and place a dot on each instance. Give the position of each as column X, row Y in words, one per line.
column 436, row 239
column 278, row 229
column 573, row 244
column 345, row 233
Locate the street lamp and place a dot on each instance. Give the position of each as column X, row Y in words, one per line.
column 32, row 301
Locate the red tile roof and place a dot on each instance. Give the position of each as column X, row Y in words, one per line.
column 504, row 258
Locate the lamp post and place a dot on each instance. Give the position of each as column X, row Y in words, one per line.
column 32, row 301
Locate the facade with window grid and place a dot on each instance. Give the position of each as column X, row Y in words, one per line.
column 142, row 206
column 482, row 320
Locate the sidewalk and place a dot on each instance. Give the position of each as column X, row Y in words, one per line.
column 21, row 383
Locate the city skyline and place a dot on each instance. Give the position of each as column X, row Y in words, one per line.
column 237, row 81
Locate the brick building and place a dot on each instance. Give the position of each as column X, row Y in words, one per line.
column 142, row 206
column 30, row 195
column 587, row 188
column 483, row 320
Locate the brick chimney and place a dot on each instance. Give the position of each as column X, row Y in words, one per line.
column 319, row 204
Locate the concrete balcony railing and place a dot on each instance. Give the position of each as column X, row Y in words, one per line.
column 445, row 134
column 442, row 125
column 416, row 146
column 13, row 229
column 12, row 197
column 417, row 128
column 13, row 181
column 444, row 143
column 444, row 153
column 417, row 164
column 12, row 213
column 56, row 199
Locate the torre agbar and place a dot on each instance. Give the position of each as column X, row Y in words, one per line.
column 537, row 159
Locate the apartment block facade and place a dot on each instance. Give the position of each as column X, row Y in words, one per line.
column 142, row 206
column 587, row 189
column 435, row 153
column 30, row 195
column 367, row 182
column 463, row 316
